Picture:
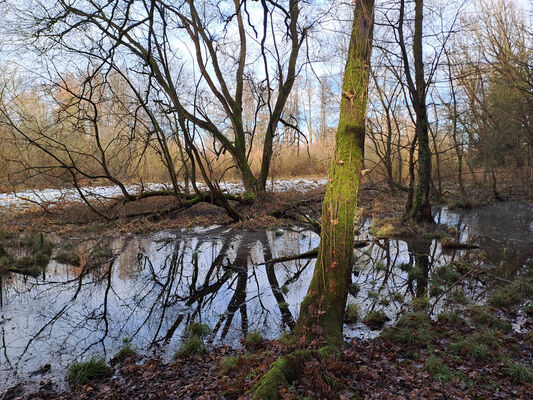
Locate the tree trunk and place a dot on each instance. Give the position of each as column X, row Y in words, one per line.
column 411, row 189
column 322, row 310
column 421, row 208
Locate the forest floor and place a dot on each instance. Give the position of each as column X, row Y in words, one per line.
column 160, row 212
column 473, row 355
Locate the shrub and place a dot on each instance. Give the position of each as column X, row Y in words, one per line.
column 375, row 319
column 82, row 372
column 193, row 345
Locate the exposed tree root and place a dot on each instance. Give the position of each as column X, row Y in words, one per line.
column 294, row 211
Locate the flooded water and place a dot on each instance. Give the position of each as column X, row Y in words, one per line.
column 147, row 288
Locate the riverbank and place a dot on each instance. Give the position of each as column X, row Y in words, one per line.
column 62, row 211
column 458, row 356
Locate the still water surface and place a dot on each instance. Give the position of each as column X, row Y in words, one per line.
column 147, row 288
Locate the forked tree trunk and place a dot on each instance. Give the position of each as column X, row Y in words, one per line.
column 322, row 311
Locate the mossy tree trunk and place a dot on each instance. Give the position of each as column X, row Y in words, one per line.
column 418, row 207
column 322, row 311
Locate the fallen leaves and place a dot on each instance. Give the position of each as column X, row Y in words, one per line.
column 373, row 369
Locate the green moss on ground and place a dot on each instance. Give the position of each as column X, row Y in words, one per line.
column 375, row 319
column 282, row 372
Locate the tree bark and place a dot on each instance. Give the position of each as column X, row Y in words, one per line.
column 418, row 207
column 421, row 209
column 322, row 310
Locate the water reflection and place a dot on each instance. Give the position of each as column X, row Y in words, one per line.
column 149, row 288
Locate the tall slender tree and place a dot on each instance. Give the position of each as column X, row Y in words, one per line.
column 418, row 207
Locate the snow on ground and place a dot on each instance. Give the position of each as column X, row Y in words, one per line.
column 23, row 200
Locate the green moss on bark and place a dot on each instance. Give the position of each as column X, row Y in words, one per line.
column 322, row 311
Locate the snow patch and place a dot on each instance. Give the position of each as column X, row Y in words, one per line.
column 23, row 200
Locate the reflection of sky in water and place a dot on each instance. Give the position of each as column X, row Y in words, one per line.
column 160, row 282
column 503, row 221
column 142, row 295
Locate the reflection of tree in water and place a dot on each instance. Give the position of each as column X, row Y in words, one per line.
column 501, row 230
column 149, row 290
column 391, row 273
column 236, row 275
column 209, row 277
column 419, row 251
